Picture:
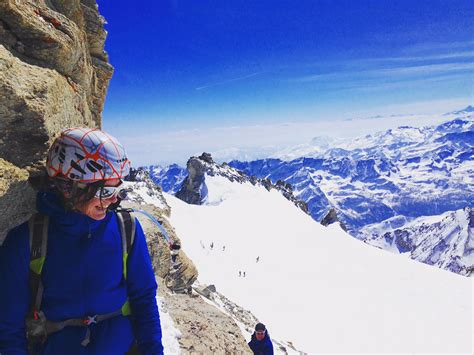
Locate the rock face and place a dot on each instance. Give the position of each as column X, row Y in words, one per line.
column 54, row 74
column 204, row 328
column 16, row 196
column 194, row 190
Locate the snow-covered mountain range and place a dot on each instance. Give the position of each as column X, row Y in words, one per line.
column 405, row 171
column 397, row 175
column 446, row 241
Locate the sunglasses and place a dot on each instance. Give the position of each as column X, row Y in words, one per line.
column 260, row 332
column 105, row 192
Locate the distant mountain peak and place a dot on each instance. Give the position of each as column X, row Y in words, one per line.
column 468, row 109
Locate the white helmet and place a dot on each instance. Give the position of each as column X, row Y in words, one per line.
column 87, row 155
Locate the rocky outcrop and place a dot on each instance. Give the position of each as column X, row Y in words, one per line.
column 194, row 189
column 173, row 266
column 331, row 217
column 54, row 74
column 204, row 328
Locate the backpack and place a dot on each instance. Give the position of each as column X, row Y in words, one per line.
column 38, row 327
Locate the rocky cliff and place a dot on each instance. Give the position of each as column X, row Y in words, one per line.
column 54, row 74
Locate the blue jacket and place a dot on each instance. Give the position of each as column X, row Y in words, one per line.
column 82, row 276
column 261, row 347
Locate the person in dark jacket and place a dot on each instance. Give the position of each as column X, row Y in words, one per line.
column 84, row 274
column 261, row 343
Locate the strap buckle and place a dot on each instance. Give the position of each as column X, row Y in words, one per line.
column 89, row 320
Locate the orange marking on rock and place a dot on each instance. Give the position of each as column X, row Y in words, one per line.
column 55, row 22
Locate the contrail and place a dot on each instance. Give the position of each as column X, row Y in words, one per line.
column 228, row 81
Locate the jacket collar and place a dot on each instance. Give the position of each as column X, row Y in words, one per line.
column 73, row 223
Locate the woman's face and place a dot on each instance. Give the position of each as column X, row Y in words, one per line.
column 260, row 334
column 96, row 208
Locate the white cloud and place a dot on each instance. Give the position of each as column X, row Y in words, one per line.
column 462, row 54
column 393, row 73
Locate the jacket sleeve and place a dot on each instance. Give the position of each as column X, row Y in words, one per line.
column 269, row 347
column 142, row 296
column 15, row 293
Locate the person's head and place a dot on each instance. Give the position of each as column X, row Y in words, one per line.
column 87, row 166
column 260, row 331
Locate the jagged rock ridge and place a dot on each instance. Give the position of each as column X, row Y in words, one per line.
column 194, row 190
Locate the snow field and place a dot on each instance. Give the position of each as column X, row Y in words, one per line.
column 318, row 287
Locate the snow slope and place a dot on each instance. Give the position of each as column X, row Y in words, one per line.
column 318, row 287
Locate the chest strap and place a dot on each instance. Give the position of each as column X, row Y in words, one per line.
column 53, row 327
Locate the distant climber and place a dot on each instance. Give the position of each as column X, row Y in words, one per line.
column 258, row 258
column 244, row 273
column 212, row 245
column 175, row 248
column 260, row 342
column 240, row 273
column 223, row 248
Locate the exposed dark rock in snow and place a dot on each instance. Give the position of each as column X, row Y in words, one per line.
column 331, row 218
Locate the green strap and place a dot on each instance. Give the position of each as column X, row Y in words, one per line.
column 127, row 228
column 38, row 228
column 37, row 265
column 126, row 311
column 125, row 258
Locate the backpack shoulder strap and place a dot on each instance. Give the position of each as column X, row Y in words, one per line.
column 127, row 231
column 127, row 227
column 38, row 228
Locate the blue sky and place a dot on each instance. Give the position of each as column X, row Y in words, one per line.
column 187, row 65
